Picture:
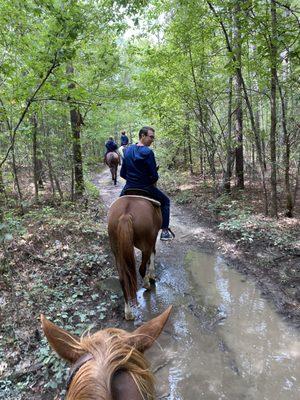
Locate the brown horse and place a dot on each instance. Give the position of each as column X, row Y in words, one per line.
column 112, row 159
column 133, row 221
column 108, row 365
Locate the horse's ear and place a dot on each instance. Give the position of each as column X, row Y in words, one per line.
column 144, row 336
column 65, row 344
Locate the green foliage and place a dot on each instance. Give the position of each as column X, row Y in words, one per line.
column 225, row 207
column 56, row 370
column 10, row 228
column 184, row 197
column 249, row 228
column 92, row 190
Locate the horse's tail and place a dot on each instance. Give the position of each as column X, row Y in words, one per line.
column 126, row 259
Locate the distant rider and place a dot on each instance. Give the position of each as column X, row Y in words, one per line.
column 140, row 171
column 111, row 146
column 124, row 139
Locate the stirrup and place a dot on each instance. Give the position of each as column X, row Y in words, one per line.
column 169, row 235
column 172, row 233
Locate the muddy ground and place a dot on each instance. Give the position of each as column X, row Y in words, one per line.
column 59, row 254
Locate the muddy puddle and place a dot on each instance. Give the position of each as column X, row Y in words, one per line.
column 224, row 341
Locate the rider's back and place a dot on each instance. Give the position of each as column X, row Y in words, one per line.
column 139, row 167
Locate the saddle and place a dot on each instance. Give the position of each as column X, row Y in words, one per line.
column 140, row 193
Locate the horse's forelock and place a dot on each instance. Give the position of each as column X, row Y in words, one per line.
column 110, row 353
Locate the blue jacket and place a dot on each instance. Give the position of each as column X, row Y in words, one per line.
column 111, row 145
column 124, row 140
column 139, row 167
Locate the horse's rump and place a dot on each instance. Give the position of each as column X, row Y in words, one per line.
column 112, row 158
column 146, row 219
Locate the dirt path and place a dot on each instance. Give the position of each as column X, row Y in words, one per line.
column 224, row 341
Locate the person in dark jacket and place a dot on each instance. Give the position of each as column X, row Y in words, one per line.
column 140, row 171
column 111, row 146
column 124, row 139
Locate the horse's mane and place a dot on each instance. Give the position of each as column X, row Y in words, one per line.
column 110, row 354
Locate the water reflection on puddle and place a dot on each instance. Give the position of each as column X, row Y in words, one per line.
column 224, row 341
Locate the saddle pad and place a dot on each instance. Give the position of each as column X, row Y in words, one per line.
column 154, row 202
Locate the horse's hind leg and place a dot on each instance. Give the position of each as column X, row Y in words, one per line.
column 151, row 273
column 143, row 269
column 116, row 172
column 129, row 316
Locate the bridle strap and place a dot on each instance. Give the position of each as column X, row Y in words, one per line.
column 76, row 367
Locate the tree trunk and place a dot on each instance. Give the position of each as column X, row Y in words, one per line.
column 239, row 156
column 189, row 146
column 50, row 172
column 273, row 57
column 76, row 122
column 201, row 160
column 287, row 152
column 228, row 171
column 2, row 194
column 184, row 155
column 296, row 185
column 34, row 156
column 16, row 179
column 2, row 190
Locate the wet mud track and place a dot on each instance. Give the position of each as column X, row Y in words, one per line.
column 223, row 341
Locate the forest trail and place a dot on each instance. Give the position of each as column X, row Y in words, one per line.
column 224, row 341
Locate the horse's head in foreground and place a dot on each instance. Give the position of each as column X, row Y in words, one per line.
column 108, row 365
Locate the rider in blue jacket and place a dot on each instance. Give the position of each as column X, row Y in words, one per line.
column 111, row 145
column 124, row 139
column 140, row 171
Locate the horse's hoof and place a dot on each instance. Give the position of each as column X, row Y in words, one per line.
column 129, row 316
column 152, row 278
column 146, row 284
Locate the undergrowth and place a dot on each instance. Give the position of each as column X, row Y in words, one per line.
column 53, row 260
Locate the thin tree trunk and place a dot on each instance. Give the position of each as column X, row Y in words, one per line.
column 34, row 156
column 50, row 172
column 76, row 122
column 239, row 151
column 253, row 161
column 2, row 194
column 57, row 184
column 296, row 185
column 287, row 152
column 189, row 147
column 72, row 185
column 228, row 171
column 273, row 55
column 184, row 155
column 201, row 159
column 16, row 179
column 2, row 190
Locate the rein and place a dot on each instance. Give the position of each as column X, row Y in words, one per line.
column 76, row 367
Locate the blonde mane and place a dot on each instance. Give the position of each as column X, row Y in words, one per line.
column 111, row 353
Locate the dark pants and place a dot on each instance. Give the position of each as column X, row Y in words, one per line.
column 158, row 195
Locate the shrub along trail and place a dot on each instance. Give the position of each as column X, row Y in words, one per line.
column 55, row 264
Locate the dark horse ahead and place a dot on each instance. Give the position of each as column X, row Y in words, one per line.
column 112, row 159
column 133, row 221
